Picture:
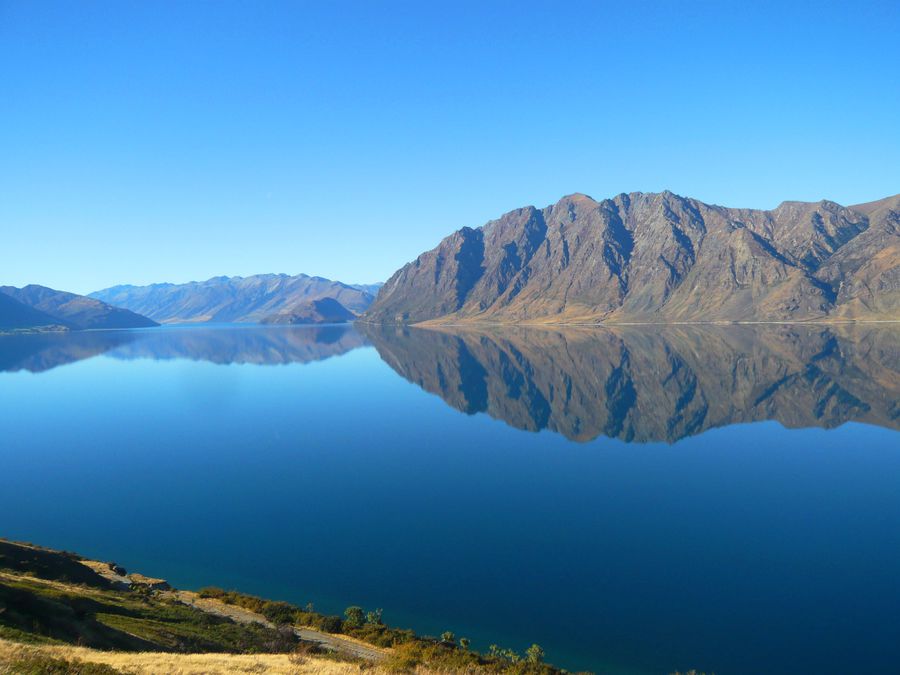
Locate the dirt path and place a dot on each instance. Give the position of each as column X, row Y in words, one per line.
column 329, row 641
column 336, row 643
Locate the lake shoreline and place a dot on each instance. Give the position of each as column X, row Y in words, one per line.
column 32, row 577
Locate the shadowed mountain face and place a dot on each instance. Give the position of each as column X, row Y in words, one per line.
column 15, row 315
column 323, row 310
column 657, row 258
column 234, row 299
column 260, row 346
column 66, row 310
column 660, row 384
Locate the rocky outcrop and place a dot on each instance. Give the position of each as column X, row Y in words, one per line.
column 140, row 581
column 657, row 258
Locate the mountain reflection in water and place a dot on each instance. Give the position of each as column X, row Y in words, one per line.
column 751, row 548
column 655, row 383
column 217, row 344
column 638, row 383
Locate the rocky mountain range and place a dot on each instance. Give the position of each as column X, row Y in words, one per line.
column 651, row 384
column 236, row 299
column 657, row 258
column 40, row 308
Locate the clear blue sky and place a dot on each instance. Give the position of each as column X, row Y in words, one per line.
column 169, row 141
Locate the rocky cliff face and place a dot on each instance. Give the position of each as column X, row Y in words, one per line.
column 654, row 383
column 657, row 258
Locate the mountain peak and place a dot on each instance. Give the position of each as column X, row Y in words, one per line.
column 656, row 257
column 578, row 197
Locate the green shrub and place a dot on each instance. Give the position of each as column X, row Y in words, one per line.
column 354, row 617
column 534, row 654
column 211, row 592
column 329, row 624
column 279, row 613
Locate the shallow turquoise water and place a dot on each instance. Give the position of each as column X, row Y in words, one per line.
column 633, row 502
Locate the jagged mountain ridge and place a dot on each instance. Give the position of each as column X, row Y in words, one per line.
column 233, row 299
column 657, row 257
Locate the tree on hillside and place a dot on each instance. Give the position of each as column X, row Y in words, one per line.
column 354, row 616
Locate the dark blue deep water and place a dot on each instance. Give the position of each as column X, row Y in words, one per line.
column 634, row 500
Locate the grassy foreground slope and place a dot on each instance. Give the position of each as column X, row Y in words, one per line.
column 60, row 613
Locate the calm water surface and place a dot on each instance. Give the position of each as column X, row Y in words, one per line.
column 636, row 501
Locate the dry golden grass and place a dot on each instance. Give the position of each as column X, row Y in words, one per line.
column 151, row 663
column 163, row 663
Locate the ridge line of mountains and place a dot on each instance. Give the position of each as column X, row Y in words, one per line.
column 633, row 258
column 260, row 298
column 657, row 258
column 263, row 298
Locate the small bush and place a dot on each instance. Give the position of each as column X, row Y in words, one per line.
column 279, row 613
column 354, row 617
column 534, row 654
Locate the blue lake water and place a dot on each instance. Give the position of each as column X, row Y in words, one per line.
column 634, row 500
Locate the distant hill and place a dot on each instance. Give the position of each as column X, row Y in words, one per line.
column 657, row 258
column 323, row 310
column 233, row 299
column 47, row 308
column 16, row 316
